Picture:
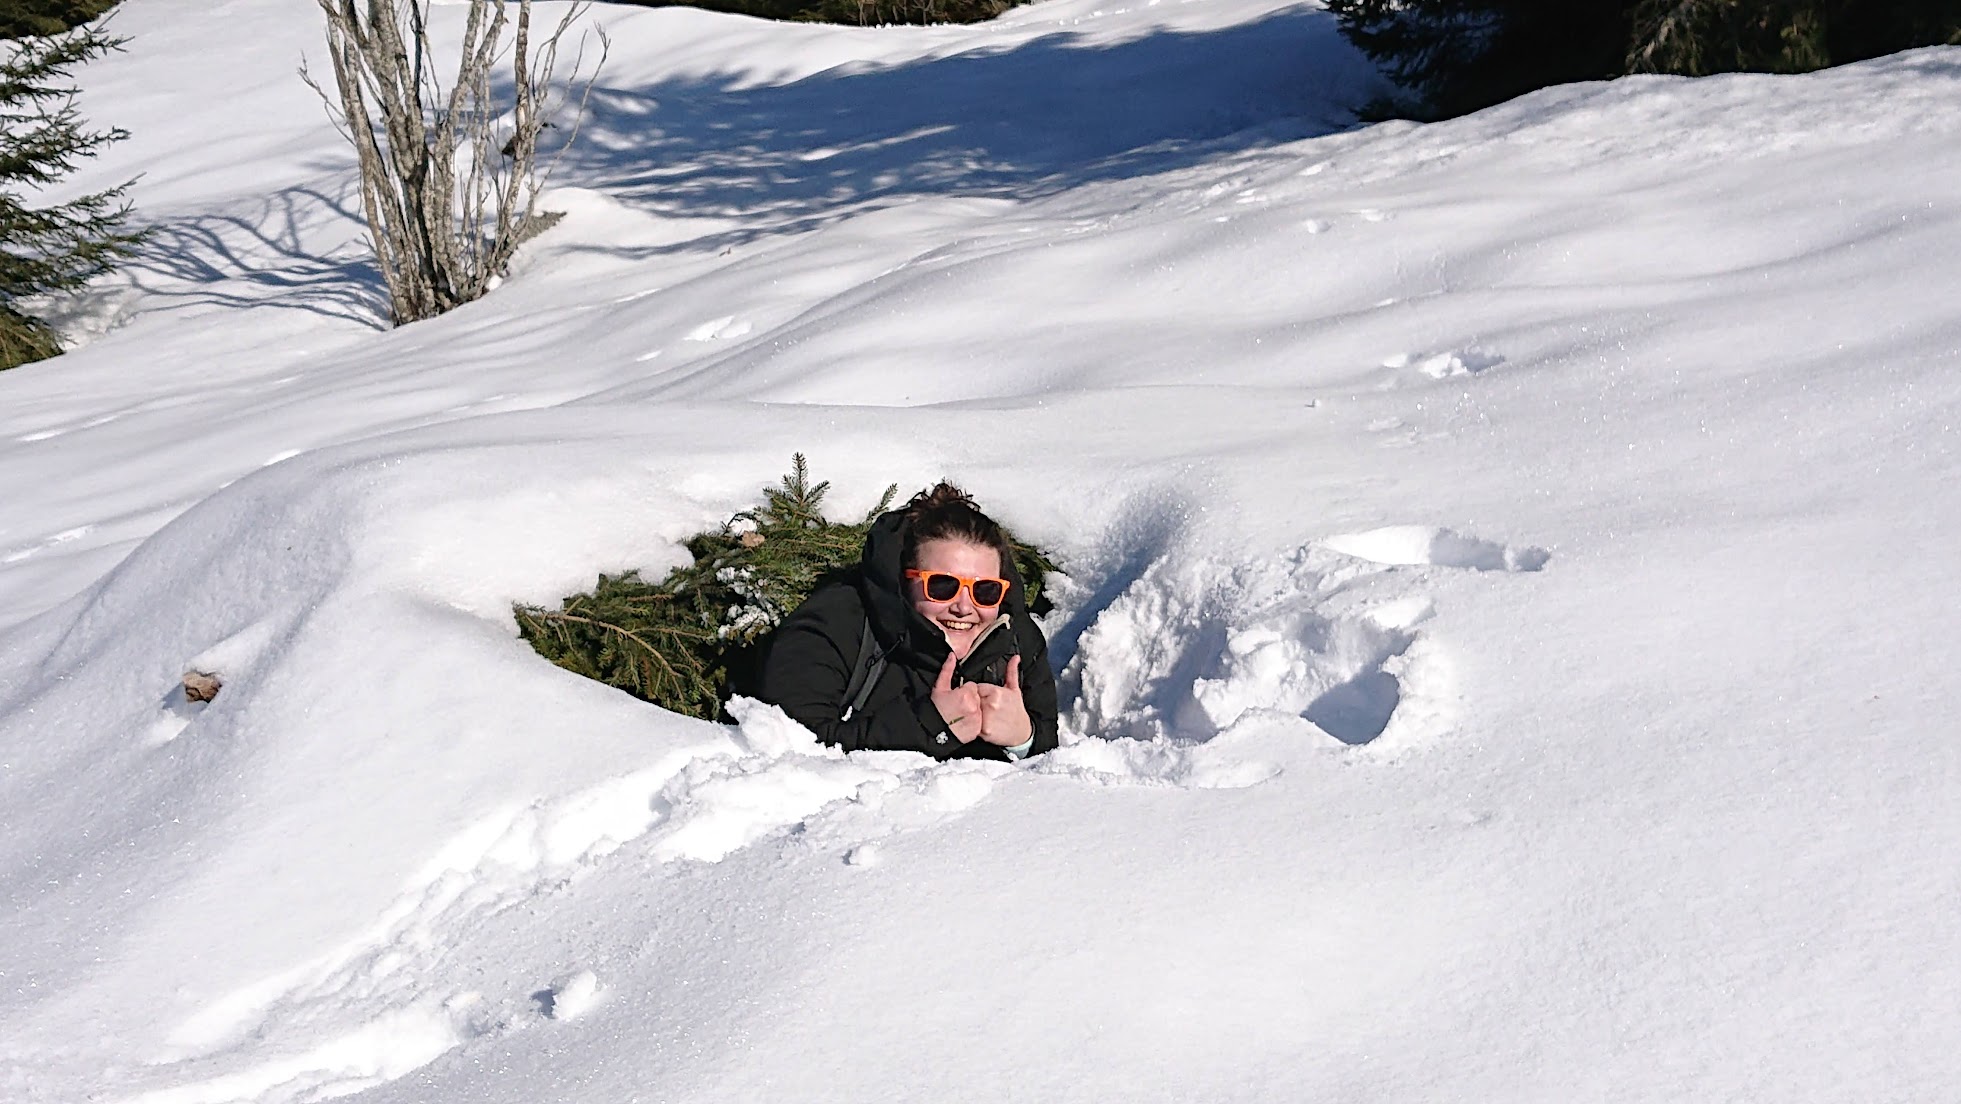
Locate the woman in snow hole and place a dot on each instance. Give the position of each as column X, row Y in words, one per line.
column 929, row 648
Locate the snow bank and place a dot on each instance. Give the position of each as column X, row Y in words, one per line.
column 1497, row 643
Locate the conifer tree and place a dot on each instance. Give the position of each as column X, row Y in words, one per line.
column 54, row 247
column 1701, row 37
column 1457, row 56
column 25, row 18
column 862, row 13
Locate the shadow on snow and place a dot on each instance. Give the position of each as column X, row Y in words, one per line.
column 1019, row 122
column 264, row 261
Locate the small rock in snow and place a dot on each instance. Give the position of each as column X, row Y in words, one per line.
column 201, row 686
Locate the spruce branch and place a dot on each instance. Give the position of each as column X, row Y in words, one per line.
column 60, row 247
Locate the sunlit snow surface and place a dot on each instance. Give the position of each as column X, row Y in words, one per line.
column 1506, row 646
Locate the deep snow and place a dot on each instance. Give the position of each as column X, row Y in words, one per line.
column 1505, row 644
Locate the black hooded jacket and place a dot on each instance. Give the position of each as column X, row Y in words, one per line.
column 814, row 651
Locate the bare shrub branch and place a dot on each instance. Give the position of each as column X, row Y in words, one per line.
column 449, row 177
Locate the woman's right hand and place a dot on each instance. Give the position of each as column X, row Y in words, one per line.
column 959, row 706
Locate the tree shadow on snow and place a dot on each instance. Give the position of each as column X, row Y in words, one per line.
column 264, row 260
column 1021, row 122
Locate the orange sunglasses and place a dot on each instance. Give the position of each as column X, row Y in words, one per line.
column 941, row 587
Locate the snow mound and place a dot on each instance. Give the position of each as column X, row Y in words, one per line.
column 408, row 770
column 1330, row 632
column 1306, row 409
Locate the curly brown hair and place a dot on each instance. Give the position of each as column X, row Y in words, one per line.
column 945, row 512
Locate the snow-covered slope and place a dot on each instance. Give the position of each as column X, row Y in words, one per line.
column 1506, row 641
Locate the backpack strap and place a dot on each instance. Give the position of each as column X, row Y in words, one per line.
column 864, row 674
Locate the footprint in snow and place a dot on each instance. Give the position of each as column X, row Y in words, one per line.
column 66, row 536
column 1412, row 545
column 1444, row 365
column 475, row 404
column 1332, row 633
column 1393, row 433
column 725, row 328
column 569, row 997
column 56, row 431
column 174, row 716
column 1192, row 647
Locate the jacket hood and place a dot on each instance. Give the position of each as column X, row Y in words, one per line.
column 898, row 627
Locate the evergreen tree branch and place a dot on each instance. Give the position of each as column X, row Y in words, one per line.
column 58, row 247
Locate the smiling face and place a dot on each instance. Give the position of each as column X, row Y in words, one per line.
column 958, row 617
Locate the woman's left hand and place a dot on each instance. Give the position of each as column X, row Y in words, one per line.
column 1004, row 719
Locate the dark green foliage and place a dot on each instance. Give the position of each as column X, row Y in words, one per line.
column 22, row 339
column 1886, row 28
column 1701, row 37
column 683, row 642
column 58, row 247
column 27, row 18
column 1697, row 38
column 862, row 13
column 1457, row 56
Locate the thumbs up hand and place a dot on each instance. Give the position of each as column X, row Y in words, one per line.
column 1004, row 719
column 961, row 707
